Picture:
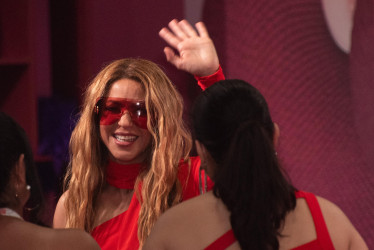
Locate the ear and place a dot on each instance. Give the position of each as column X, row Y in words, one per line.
column 276, row 135
column 20, row 170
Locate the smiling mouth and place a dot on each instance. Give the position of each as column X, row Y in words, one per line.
column 126, row 138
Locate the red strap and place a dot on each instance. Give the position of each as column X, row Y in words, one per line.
column 222, row 242
column 323, row 235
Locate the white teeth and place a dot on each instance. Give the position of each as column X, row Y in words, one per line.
column 127, row 138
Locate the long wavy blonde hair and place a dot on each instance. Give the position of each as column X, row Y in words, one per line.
column 160, row 188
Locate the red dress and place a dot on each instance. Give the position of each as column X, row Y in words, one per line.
column 323, row 240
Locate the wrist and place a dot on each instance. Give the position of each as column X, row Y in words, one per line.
column 206, row 81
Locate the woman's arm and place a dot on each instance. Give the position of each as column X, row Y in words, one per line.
column 72, row 239
column 59, row 218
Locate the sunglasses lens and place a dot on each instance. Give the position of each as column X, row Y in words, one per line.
column 111, row 110
column 138, row 113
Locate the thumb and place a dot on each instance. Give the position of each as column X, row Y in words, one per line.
column 172, row 57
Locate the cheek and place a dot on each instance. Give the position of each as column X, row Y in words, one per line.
column 147, row 138
column 104, row 133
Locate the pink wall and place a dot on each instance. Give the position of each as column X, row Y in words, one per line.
column 362, row 76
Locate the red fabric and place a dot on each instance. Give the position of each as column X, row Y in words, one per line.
column 223, row 242
column 323, row 240
column 122, row 176
column 109, row 234
column 189, row 177
column 206, row 81
column 121, row 232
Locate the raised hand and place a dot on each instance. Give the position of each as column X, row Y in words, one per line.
column 196, row 53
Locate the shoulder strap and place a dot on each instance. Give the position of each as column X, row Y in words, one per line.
column 223, row 242
column 323, row 235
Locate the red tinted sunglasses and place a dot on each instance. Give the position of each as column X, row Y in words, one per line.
column 111, row 109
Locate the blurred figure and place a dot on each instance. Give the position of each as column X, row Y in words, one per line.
column 18, row 184
column 252, row 204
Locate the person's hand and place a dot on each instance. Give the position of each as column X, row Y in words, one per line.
column 196, row 52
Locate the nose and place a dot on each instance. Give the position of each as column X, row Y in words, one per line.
column 125, row 119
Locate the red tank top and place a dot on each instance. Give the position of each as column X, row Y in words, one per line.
column 323, row 240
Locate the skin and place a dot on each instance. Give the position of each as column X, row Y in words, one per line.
column 197, row 54
column 198, row 222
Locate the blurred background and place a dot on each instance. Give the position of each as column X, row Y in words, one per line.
column 313, row 61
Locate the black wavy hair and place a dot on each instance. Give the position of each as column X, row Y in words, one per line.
column 232, row 120
column 13, row 143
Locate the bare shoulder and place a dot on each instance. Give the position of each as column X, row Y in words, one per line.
column 59, row 218
column 38, row 237
column 178, row 221
column 72, row 239
column 162, row 234
column 342, row 232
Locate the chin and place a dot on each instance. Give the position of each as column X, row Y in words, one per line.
column 125, row 159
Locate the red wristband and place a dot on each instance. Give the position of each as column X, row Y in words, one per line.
column 207, row 81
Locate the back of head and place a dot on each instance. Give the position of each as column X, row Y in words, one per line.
column 232, row 120
column 223, row 109
column 13, row 143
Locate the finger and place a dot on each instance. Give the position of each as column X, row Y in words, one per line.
column 174, row 26
column 187, row 28
column 203, row 31
column 172, row 57
column 169, row 37
column 169, row 53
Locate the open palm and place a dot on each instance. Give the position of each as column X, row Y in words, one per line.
column 196, row 53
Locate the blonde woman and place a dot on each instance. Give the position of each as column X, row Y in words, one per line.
column 130, row 148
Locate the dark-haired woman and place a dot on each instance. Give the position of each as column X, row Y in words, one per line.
column 252, row 205
column 18, row 184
